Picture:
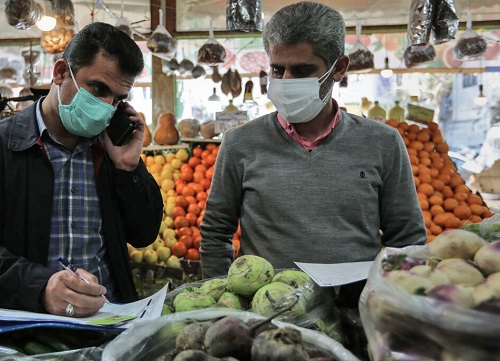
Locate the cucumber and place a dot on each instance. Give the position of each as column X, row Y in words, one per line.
column 36, row 348
column 50, row 340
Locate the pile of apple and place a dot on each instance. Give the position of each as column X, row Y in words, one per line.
column 184, row 180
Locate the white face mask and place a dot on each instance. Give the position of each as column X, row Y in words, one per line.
column 297, row 100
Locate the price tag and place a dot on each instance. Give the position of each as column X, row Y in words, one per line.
column 227, row 120
column 420, row 114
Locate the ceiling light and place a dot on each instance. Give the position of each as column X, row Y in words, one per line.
column 480, row 99
column 386, row 72
column 47, row 22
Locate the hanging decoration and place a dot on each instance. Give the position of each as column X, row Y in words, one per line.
column 244, row 15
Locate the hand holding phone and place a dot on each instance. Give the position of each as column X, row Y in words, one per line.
column 120, row 126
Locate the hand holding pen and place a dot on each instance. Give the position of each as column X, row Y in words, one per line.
column 70, row 267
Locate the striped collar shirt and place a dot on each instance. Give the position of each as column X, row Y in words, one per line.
column 76, row 229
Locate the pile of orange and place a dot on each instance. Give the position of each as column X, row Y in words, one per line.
column 191, row 193
column 446, row 201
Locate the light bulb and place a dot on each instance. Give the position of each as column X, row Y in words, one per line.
column 480, row 99
column 386, row 72
column 46, row 23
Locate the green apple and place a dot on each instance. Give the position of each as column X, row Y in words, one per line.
column 150, row 256
column 173, row 261
column 168, row 209
column 168, row 233
column 169, row 241
column 163, row 226
column 163, row 253
column 130, row 248
column 136, row 256
column 158, row 243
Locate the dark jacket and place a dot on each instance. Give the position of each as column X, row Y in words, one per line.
column 131, row 209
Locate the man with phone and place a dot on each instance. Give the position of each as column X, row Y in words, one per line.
column 67, row 191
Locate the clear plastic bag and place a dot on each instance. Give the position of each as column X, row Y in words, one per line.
column 212, row 52
column 124, row 25
column 420, row 22
column 416, row 55
column 149, row 340
column 198, row 72
column 55, row 41
column 401, row 326
column 445, row 23
column 161, row 43
column 470, row 45
column 22, row 14
column 322, row 313
column 64, row 12
column 360, row 58
column 244, row 15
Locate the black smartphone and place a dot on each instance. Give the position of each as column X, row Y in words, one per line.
column 120, row 126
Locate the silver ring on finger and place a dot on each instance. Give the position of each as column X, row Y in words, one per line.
column 70, row 310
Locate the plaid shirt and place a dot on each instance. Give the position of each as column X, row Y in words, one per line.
column 76, row 230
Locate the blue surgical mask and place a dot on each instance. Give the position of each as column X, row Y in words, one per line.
column 86, row 115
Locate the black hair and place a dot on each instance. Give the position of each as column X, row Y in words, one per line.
column 113, row 42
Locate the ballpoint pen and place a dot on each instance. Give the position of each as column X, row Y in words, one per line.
column 69, row 266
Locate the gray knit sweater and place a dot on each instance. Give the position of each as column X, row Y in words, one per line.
column 320, row 206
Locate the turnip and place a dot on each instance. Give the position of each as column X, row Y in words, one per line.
column 232, row 300
column 282, row 344
column 191, row 337
column 249, row 273
column 456, row 243
column 214, row 287
column 400, row 261
column 460, row 271
column 488, row 290
column 232, row 337
column 410, row 282
column 488, row 257
column 432, row 274
column 455, row 294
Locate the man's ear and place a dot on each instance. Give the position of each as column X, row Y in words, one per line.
column 59, row 71
column 341, row 68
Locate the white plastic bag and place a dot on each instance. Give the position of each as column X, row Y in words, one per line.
column 400, row 326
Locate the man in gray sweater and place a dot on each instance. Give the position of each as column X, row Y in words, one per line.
column 309, row 183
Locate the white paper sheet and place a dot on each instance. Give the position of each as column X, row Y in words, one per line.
column 147, row 308
column 336, row 274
